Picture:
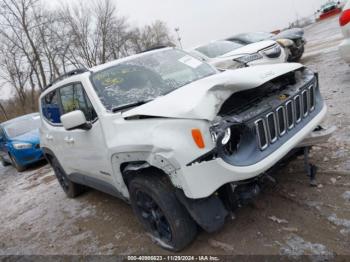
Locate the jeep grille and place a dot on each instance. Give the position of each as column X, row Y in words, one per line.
column 279, row 121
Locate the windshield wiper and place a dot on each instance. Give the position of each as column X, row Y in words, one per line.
column 126, row 106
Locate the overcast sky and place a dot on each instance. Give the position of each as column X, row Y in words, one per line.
column 201, row 21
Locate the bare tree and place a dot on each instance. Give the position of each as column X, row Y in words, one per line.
column 14, row 70
column 156, row 34
column 38, row 44
column 20, row 27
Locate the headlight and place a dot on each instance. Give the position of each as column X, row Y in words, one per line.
column 273, row 52
column 249, row 58
column 229, row 64
column 228, row 141
column 20, row 146
column 226, row 137
column 285, row 42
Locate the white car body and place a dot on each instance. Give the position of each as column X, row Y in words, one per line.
column 158, row 133
column 225, row 61
column 344, row 47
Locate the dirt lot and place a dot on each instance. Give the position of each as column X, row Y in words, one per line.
column 290, row 218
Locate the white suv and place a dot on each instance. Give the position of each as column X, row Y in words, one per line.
column 183, row 143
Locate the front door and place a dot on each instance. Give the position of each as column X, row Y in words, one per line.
column 86, row 152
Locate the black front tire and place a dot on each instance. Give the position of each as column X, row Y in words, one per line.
column 71, row 189
column 15, row 163
column 4, row 162
column 161, row 214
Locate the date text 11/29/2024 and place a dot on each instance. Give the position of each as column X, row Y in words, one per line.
column 173, row 258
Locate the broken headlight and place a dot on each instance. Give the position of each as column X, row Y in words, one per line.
column 227, row 139
column 249, row 58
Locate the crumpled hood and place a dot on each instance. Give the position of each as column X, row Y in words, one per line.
column 203, row 99
column 249, row 49
column 30, row 137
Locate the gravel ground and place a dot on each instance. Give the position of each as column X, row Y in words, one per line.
column 290, row 219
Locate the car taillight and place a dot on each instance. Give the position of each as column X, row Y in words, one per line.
column 344, row 18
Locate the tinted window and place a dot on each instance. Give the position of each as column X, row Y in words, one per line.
column 64, row 100
column 51, row 107
column 73, row 98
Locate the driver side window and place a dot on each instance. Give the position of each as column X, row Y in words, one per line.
column 73, row 97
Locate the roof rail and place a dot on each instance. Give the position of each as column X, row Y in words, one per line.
column 66, row 75
column 155, row 48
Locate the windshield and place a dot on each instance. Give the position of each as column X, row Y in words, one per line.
column 148, row 77
column 255, row 37
column 22, row 126
column 328, row 5
column 218, row 48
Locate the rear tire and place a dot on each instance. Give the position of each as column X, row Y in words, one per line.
column 71, row 189
column 15, row 163
column 4, row 162
column 161, row 214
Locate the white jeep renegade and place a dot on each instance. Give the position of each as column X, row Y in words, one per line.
column 183, row 143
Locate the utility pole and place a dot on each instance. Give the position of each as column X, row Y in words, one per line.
column 177, row 30
column 296, row 13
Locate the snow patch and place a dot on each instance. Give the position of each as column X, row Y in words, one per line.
column 338, row 221
column 346, row 195
column 297, row 246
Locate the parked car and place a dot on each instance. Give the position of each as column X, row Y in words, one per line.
column 229, row 55
column 180, row 141
column 291, row 39
column 19, row 141
column 344, row 21
column 329, row 9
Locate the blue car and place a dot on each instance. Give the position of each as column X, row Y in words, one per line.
column 19, row 141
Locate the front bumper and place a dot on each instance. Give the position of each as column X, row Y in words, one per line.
column 28, row 156
column 344, row 49
column 201, row 180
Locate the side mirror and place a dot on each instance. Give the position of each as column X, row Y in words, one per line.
column 75, row 120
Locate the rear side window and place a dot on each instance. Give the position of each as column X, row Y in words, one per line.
column 51, row 107
column 67, row 99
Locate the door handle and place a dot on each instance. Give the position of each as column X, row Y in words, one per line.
column 49, row 138
column 69, row 140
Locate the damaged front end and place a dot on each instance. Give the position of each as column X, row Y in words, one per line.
column 253, row 123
